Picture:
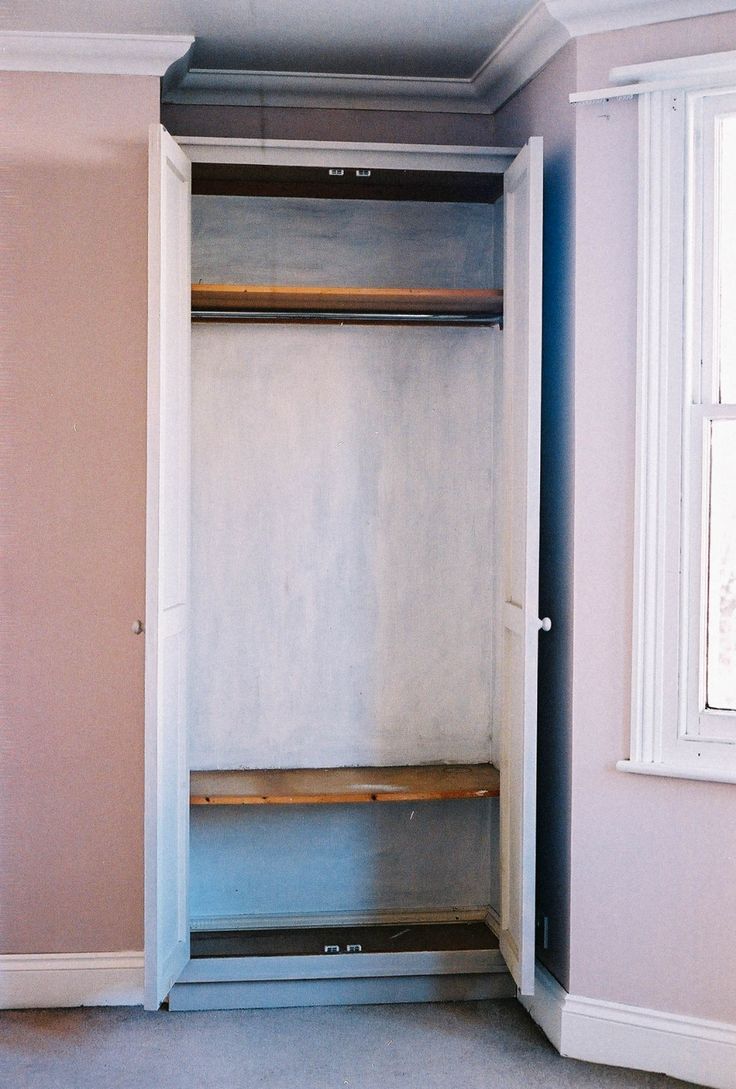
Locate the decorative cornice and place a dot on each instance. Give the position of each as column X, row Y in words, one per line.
column 334, row 90
column 100, row 54
column 526, row 49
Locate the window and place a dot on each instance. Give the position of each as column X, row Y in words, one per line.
column 684, row 677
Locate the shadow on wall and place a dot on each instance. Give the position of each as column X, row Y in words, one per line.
column 555, row 573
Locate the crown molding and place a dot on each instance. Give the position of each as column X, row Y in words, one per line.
column 524, row 51
column 520, row 56
column 330, row 90
column 580, row 17
column 100, row 54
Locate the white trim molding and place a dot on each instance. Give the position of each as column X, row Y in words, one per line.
column 673, row 733
column 524, row 51
column 705, row 69
column 452, row 157
column 43, row 980
column 673, row 74
column 324, row 90
column 616, row 1034
column 97, row 54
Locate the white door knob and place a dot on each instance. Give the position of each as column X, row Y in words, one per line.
column 137, row 627
column 545, row 624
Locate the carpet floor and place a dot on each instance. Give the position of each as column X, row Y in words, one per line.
column 472, row 1045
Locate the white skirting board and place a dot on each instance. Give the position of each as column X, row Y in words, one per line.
column 689, row 1048
column 42, row 980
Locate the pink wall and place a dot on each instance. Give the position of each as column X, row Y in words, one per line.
column 73, row 151
column 652, row 893
column 73, row 302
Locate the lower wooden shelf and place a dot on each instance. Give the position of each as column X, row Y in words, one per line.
column 315, row 786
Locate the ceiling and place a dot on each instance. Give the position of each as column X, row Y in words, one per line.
column 415, row 38
column 439, row 55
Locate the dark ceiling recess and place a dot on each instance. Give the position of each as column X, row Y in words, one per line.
column 231, row 179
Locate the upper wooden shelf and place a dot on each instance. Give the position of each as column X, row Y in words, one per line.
column 385, row 300
column 314, row 786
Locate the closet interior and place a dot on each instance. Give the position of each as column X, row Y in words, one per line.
column 346, row 556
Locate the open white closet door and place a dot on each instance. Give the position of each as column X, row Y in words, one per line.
column 167, row 566
column 520, row 565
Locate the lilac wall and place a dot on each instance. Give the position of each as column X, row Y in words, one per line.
column 652, row 896
column 74, row 185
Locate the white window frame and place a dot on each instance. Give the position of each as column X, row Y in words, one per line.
column 672, row 733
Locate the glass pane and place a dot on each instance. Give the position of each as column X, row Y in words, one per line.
column 726, row 228
column 721, row 645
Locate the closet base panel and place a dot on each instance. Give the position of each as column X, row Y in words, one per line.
column 339, row 992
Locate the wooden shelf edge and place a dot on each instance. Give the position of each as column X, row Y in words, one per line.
column 328, row 786
column 382, row 299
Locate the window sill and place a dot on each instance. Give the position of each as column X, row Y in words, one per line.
column 675, row 771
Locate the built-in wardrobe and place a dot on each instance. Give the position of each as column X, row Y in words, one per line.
column 342, row 566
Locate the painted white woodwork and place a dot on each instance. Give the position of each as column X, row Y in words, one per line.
column 429, row 456
column 343, row 545
column 211, row 149
column 167, row 566
column 675, row 74
column 669, row 732
column 344, row 966
column 47, row 980
column 675, row 771
column 712, row 730
column 371, row 243
column 660, row 382
column 520, row 557
column 323, row 90
column 706, row 69
column 268, row 994
column 104, row 54
column 693, row 1049
column 524, row 51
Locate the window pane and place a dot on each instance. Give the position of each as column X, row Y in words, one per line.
column 726, row 228
column 721, row 648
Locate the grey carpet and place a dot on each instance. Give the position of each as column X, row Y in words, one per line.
column 472, row 1045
